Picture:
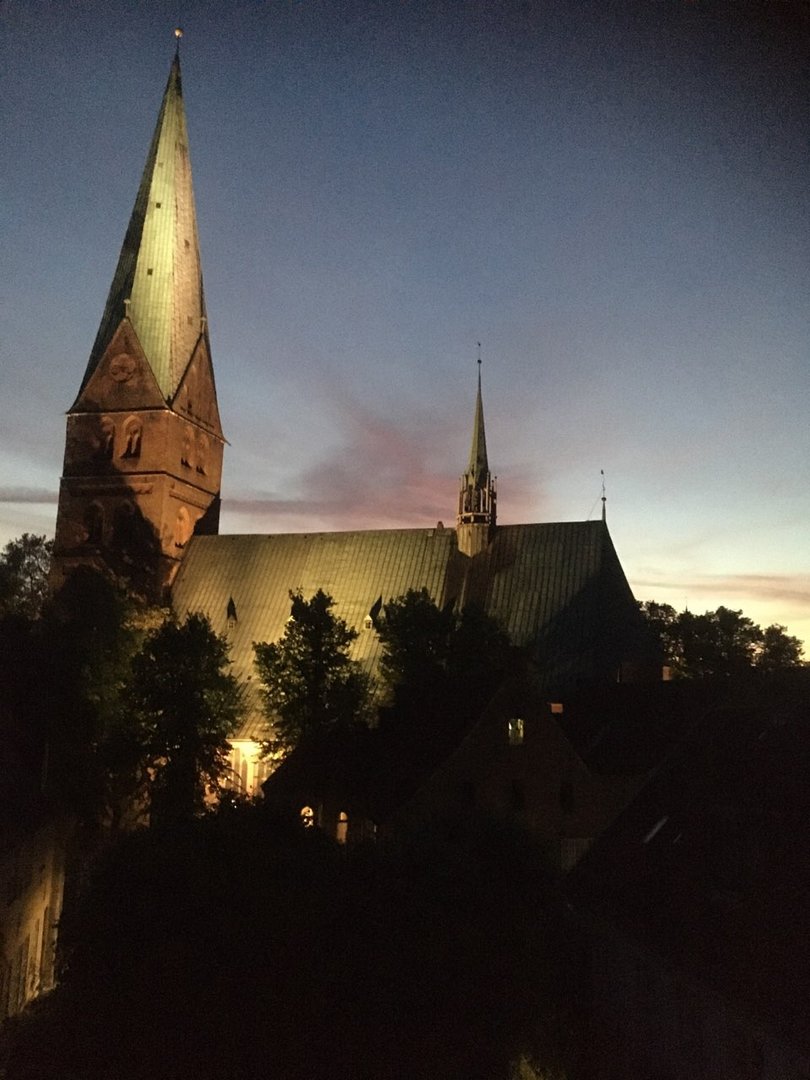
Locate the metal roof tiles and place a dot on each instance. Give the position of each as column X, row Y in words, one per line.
column 159, row 271
column 557, row 589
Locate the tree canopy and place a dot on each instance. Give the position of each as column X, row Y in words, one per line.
column 180, row 705
column 439, row 663
column 722, row 642
column 309, row 682
column 24, row 567
column 297, row 959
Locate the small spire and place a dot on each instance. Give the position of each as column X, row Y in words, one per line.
column 476, row 502
column 604, row 496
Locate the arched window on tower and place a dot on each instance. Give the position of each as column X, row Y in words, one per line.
column 182, row 528
column 106, row 438
column 187, row 450
column 342, row 831
column 202, row 453
column 94, row 524
column 133, row 432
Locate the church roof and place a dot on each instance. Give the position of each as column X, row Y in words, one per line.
column 557, row 589
column 158, row 270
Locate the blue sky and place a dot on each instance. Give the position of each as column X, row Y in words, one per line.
column 611, row 197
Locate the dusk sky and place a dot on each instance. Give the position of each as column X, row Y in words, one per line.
column 612, row 197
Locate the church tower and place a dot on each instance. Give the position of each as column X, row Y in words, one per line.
column 143, row 453
column 476, row 499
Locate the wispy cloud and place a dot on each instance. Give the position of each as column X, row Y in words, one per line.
column 781, row 588
column 380, row 475
column 33, row 496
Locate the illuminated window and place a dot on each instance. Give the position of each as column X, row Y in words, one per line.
column 556, row 706
column 342, row 827
column 307, row 817
column 515, row 730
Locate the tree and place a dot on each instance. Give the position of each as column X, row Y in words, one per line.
column 309, row 682
column 722, row 642
column 415, row 635
column 24, row 567
column 439, row 664
column 778, row 650
column 184, row 703
column 315, row 948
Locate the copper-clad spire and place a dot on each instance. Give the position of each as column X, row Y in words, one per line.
column 158, row 281
column 478, row 468
column 476, row 500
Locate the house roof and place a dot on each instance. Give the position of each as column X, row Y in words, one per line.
column 158, row 279
column 708, row 867
column 558, row 590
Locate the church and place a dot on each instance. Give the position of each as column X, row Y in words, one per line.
column 140, row 492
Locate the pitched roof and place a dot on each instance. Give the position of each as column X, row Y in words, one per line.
column 557, row 589
column 718, row 835
column 159, row 270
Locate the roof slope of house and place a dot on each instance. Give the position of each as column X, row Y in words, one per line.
column 708, row 868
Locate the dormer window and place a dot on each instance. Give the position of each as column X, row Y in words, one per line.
column 515, row 731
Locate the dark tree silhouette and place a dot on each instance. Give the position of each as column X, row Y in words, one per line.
column 24, row 567
column 183, row 703
column 722, row 642
column 240, row 944
column 309, row 682
column 439, row 663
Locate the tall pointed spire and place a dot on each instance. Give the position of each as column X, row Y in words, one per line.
column 143, row 453
column 158, row 281
column 477, row 497
column 478, row 467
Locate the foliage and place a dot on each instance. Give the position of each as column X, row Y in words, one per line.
column 184, row 703
column 62, row 675
column 24, row 567
column 722, row 642
column 297, row 959
column 415, row 635
column 309, row 682
column 435, row 661
column 778, row 650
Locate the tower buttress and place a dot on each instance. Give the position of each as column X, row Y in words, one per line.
column 143, row 452
column 477, row 496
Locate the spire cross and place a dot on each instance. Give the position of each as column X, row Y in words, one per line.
column 178, row 33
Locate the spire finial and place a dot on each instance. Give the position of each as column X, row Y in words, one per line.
column 604, row 496
column 178, row 33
